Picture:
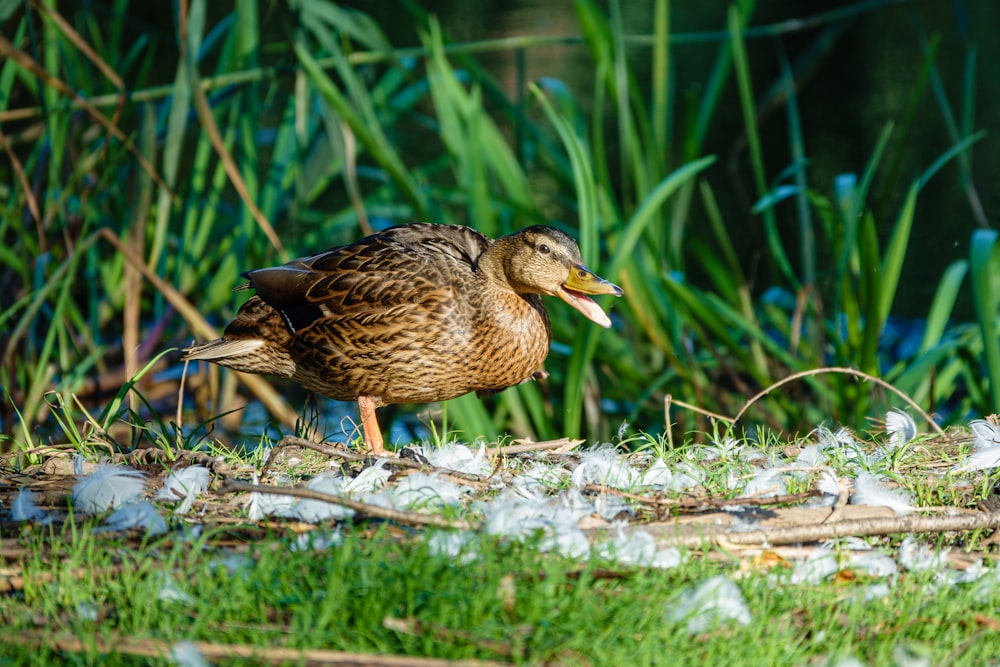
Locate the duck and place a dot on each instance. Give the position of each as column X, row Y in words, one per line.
column 415, row 313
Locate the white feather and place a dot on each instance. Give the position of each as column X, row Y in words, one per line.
column 984, row 434
column 458, row 457
column 971, row 574
column 317, row 540
column 87, row 611
column 260, row 505
column 567, row 540
column 905, row 654
column 185, row 484
column 538, row 477
column 180, row 483
column 768, row 482
column 23, row 507
column 900, row 427
column 424, row 490
column 609, row 507
column 811, row 456
column 107, row 487
column 713, row 602
column 315, row 511
column 849, row 542
column 751, row 454
column 868, row 490
column 825, row 437
column 142, row 515
column 980, row 459
column 513, row 515
column 986, row 447
column 879, row 591
column 369, row 480
column 828, row 483
column 170, row 592
column 741, row 521
column 604, row 466
column 555, row 519
column 816, row 569
column 683, row 476
column 185, row 654
column 638, row 547
column 458, row 547
column 917, row 557
column 987, row 587
column 875, row 564
column 843, row 436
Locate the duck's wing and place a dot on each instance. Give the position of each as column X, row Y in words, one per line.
column 462, row 244
column 406, row 264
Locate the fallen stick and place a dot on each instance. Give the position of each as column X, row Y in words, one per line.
column 466, row 478
column 697, row 503
column 412, row 518
column 561, row 445
column 117, row 644
column 846, row 528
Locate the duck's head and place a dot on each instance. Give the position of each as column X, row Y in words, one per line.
column 544, row 260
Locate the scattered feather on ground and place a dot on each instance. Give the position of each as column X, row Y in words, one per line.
column 869, row 490
column 713, row 602
column 24, row 508
column 589, row 504
column 185, row 485
column 108, row 487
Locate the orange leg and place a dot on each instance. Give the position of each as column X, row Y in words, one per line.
column 369, row 425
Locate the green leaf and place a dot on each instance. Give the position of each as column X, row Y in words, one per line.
column 984, row 296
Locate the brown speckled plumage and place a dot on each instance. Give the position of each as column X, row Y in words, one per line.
column 414, row 314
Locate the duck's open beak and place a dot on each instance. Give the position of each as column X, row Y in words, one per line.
column 581, row 282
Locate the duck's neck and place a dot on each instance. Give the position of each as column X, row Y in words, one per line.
column 493, row 263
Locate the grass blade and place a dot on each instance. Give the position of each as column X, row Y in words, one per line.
column 984, row 296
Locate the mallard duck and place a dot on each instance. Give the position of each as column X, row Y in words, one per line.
column 417, row 313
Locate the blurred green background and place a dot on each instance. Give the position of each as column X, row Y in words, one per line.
column 779, row 187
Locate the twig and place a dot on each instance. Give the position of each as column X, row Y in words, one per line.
column 854, row 527
column 467, row 478
column 413, row 518
column 29, row 195
column 158, row 456
column 843, row 496
column 669, row 400
column 695, row 503
column 149, row 647
column 526, row 447
column 16, row 581
column 414, row 627
column 846, row 371
column 320, row 447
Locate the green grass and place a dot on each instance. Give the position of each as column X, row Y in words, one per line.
column 506, row 603
column 387, row 588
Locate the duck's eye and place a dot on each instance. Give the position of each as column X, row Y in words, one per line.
column 544, row 249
